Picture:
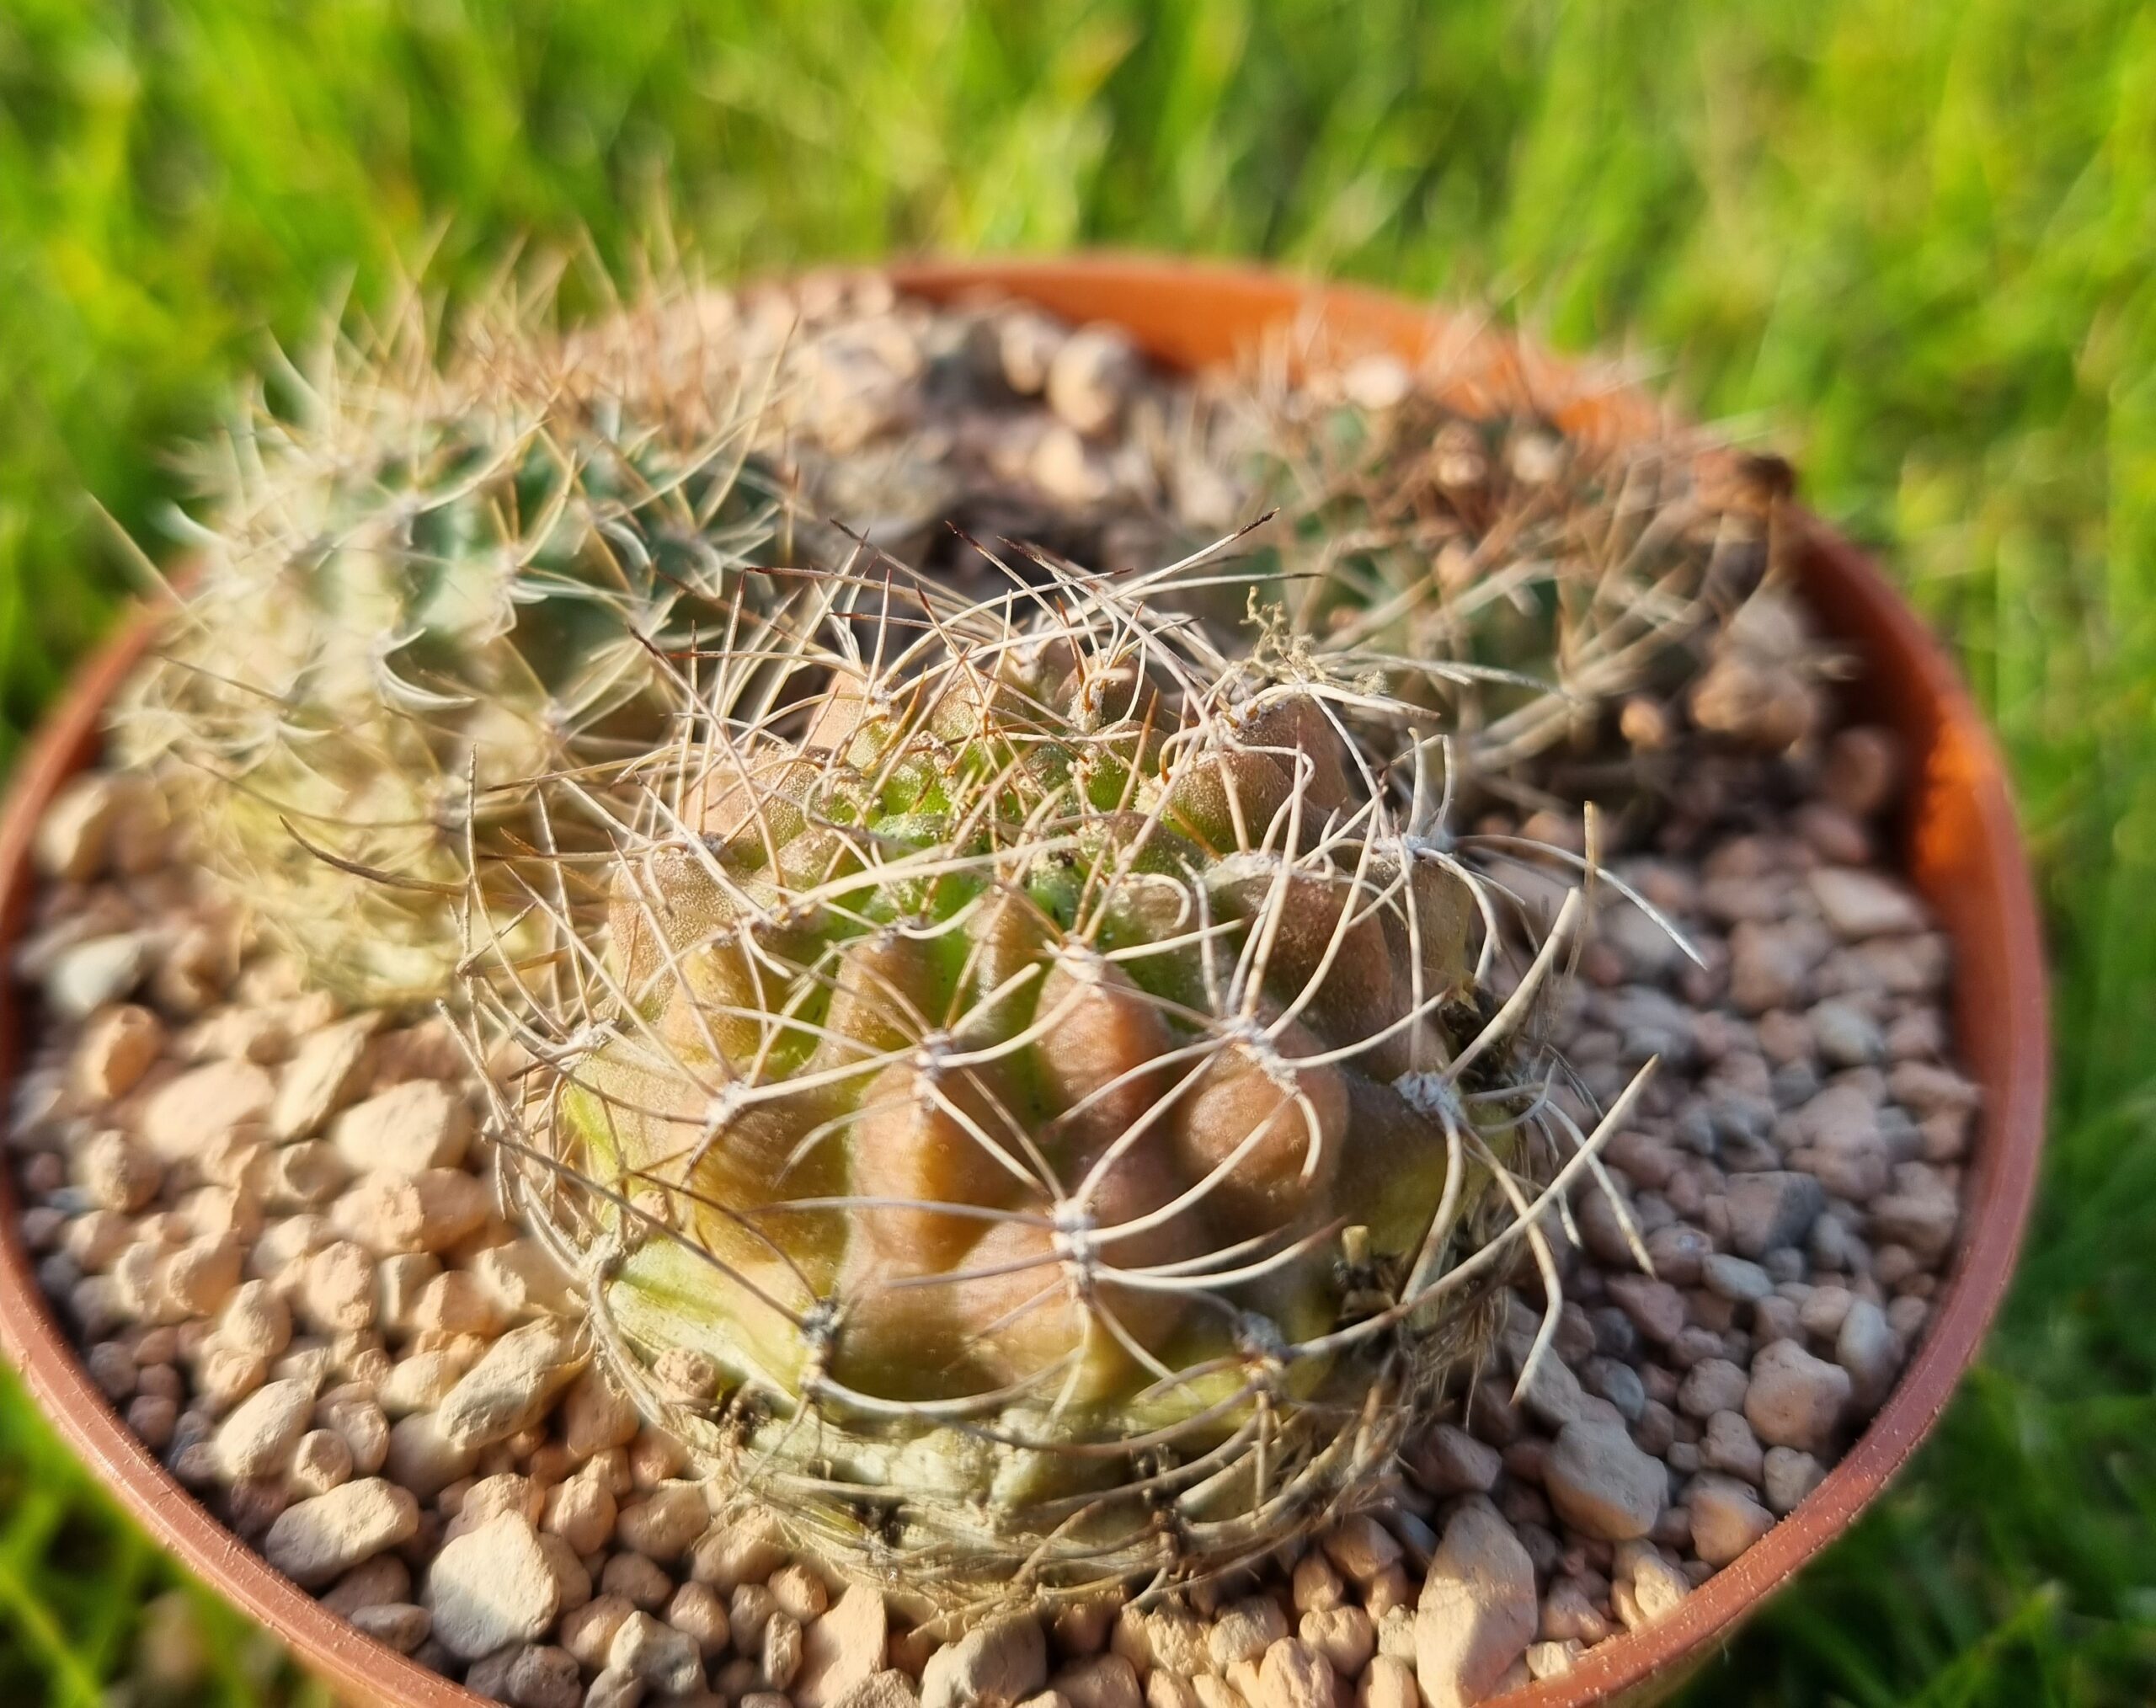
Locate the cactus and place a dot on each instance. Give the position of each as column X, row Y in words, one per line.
column 443, row 572
column 1038, row 1114
column 1580, row 580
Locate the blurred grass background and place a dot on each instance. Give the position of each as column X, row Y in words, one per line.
column 1908, row 240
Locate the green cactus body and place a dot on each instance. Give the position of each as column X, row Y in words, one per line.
column 1033, row 1101
column 1561, row 592
column 433, row 585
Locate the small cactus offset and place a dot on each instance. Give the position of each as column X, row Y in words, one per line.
column 1039, row 1114
column 1582, row 573
column 440, row 572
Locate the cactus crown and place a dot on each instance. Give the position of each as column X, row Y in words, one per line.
column 1023, row 1090
column 439, row 573
column 1589, row 577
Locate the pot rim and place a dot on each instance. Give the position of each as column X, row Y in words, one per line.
column 1963, row 851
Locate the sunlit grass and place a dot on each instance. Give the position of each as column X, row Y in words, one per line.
column 1908, row 240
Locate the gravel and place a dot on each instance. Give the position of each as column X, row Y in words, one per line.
column 268, row 1221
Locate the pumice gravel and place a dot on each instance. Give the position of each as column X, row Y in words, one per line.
column 271, row 1217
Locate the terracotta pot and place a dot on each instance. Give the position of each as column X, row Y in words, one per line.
column 1960, row 847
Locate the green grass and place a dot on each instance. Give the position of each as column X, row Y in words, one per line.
column 1909, row 239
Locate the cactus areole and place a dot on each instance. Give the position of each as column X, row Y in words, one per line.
column 1023, row 1088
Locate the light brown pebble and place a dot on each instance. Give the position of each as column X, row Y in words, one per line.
column 1477, row 1612
column 887, row 1688
column 72, row 833
column 781, row 1650
column 92, row 973
column 697, row 1609
column 614, row 1690
column 336, row 1291
column 663, row 1657
column 417, row 1125
column 1344, row 1636
column 299, row 1175
column 743, row 1550
column 1553, row 1660
column 663, row 1524
column 376, row 1582
column 491, row 1586
column 487, row 1498
column 796, row 1589
column 1795, row 1400
column 220, row 1212
column 320, row 1461
column 284, row 1241
column 524, row 1280
column 253, row 1503
column 596, row 1415
column 842, row 1648
column 1448, row 1461
column 1655, row 1588
column 225, row 1374
column 403, row 1625
column 430, row 1211
column 637, row 1581
column 572, row 1577
column 1376, row 383
column 181, row 1117
column 421, row 1458
column 587, row 1632
column 1727, row 1444
column 1603, row 1485
column 256, row 1319
column 1389, row 1589
column 1166, row 1689
column 152, row 1416
column 421, row 1381
column 112, row 1367
column 1178, row 1641
column 1389, row 1682
column 325, row 1071
column 259, row 1437
column 511, row 1386
column 199, row 1276
column 996, row 1665
column 96, row 1240
column 1089, row 378
column 1396, row 1634
column 581, row 1509
column 654, row 1457
column 1361, row 1546
column 1246, row 1630
column 318, row 1540
column 1293, row 1675
column 1081, row 1628
column 351, row 1411
column 1314, row 1586
column 750, row 1608
column 1098, row 1681
column 116, row 1173
column 1726, row 1518
column 543, row 1676
column 1862, row 766
column 1788, row 1476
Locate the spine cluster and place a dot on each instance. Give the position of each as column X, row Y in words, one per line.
column 1039, row 1102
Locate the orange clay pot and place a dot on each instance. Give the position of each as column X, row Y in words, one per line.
column 1960, row 846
